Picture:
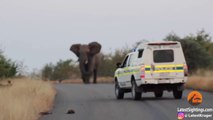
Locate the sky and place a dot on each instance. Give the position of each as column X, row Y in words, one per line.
column 37, row 32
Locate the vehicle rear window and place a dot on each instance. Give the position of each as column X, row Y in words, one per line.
column 161, row 56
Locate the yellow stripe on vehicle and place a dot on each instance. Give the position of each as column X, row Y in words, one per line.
column 166, row 71
column 171, row 65
column 136, row 69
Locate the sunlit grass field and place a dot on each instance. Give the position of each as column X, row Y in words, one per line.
column 25, row 99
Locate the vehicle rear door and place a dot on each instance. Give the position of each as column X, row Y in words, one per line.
column 163, row 66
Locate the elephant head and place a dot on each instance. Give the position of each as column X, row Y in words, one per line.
column 86, row 56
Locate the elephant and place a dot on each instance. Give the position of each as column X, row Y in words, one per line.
column 89, row 58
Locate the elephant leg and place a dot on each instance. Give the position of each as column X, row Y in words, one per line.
column 83, row 78
column 95, row 76
column 87, row 81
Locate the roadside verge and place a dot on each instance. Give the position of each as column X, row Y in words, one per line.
column 25, row 99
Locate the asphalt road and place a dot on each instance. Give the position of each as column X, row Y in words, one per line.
column 97, row 102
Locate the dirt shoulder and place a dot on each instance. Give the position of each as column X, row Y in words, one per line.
column 200, row 83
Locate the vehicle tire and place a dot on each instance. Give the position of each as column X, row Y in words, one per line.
column 177, row 94
column 158, row 94
column 135, row 94
column 119, row 93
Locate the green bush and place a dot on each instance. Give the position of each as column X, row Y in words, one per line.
column 62, row 70
column 8, row 68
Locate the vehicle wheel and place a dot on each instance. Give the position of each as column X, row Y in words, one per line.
column 135, row 94
column 119, row 93
column 158, row 94
column 177, row 94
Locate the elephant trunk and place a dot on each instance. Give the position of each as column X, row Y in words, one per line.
column 85, row 65
column 85, row 71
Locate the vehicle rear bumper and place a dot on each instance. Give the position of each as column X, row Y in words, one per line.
column 161, row 87
column 162, row 81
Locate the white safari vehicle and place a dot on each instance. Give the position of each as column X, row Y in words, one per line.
column 152, row 67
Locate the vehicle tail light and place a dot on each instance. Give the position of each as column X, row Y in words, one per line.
column 143, row 72
column 185, row 67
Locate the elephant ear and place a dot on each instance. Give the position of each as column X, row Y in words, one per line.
column 75, row 48
column 94, row 47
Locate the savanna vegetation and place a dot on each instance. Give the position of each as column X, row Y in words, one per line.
column 62, row 70
column 22, row 98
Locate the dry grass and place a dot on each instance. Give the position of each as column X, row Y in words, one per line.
column 200, row 81
column 25, row 99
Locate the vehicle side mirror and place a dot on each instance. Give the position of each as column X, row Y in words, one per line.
column 118, row 65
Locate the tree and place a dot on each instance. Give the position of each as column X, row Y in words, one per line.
column 109, row 62
column 197, row 49
column 172, row 37
column 195, row 55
